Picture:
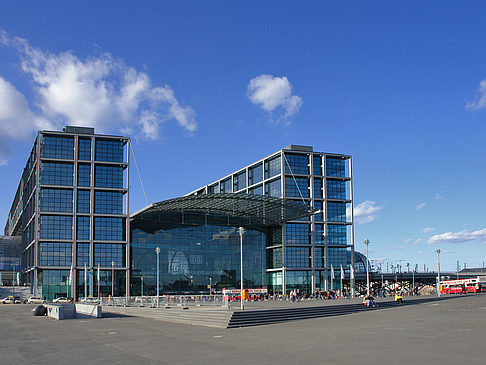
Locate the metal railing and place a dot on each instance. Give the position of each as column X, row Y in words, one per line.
column 165, row 301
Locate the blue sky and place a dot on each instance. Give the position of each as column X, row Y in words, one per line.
column 204, row 88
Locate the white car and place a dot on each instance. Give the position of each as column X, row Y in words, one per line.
column 35, row 300
column 61, row 300
column 90, row 300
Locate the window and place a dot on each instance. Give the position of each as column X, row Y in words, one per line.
column 109, row 150
column 255, row 174
column 83, row 201
column 55, row 254
column 109, row 229
column 319, row 216
column 257, row 190
column 56, row 200
column 83, row 254
column 336, row 189
column 337, row 234
column 296, row 233
column 83, row 228
column 105, row 253
column 319, row 257
column 226, row 186
column 272, row 167
column 336, row 212
column 109, row 202
column 239, row 181
column 336, row 257
column 109, row 176
column 84, row 149
column 296, row 187
column 56, row 173
column 335, row 167
column 213, row 189
column 297, row 257
column 84, row 175
column 56, row 227
column 317, row 167
column 57, row 147
column 317, row 188
column 273, row 188
column 274, row 258
column 318, row 234
column 296, row 164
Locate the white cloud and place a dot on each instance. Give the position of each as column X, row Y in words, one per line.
column 438, row 196
column 480, row 98
column 99, row 92
column 459, row 237
column 270, row 92
column 428, row 229
column 364, row 212
column 417, row 241
column 420, row 206
column 420, row 253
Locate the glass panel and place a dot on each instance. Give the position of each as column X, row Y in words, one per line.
column 318, row 234
column 336, row 212
column 109, row 229
column 336, row 189
column 83, row 201
column 273, row 188
column 109, row 150
column 335, row 167
column 296, row 164
column 109, row 202
column 55, row 254
column 226, row 186
column 83, row 254
column 318, row 257
column 320, row 216
column 109, row 176
column 274, row 258
column 317, row 168
column 84, row 175
column 84, row 149
column 56, row 200
column 56, row 227
column 105, row 253
column 337, row 234
column 240, row 181
column 337, row 257
column 296, row 233
column 299, row 280
column 257, row 190
column 57, row 147
column 56, row 173
column 53, row 283
column 213, row 189
column 317, row 188
column 255, row 174
column 272, row 167
column 295, row 190
column 83, row 228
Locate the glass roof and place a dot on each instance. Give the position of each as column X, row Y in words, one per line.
column 249, row 211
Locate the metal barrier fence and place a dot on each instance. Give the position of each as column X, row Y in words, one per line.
column 165, row 300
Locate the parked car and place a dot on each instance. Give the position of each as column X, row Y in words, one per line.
column 61, row 300
column 90, row 300
column 9, row 300
column 35, row 300
column 19, row 300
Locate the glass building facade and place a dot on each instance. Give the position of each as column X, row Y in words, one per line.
column 305, row 249
column 71, row 212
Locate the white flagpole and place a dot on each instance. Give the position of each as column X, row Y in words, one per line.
column 351, row 277
column 70, row 281
column 342, row 277
column 98, row 281
column 332, row 277
column 85, row 283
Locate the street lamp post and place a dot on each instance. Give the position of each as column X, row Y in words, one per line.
column 112, row 279
column 157, row 251
column 367, row 242
column 141, row 290
column 241, row 230
column 438, row 272
column 210, row 284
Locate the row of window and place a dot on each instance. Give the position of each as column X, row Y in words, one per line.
column 60, row 227
column 61, row 201
column 297, row 233
column 60, row 254
column 297, row 257
column 63, row 147
column 60, row 173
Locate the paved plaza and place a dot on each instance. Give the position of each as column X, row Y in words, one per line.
column 445, row 332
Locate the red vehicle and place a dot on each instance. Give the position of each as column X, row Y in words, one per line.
column 470, row 285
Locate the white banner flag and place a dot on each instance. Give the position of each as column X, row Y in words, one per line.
column 332, row 272
column 351, row 272
column 342, row 272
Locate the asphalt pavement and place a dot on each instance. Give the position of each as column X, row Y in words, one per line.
column 445, row 332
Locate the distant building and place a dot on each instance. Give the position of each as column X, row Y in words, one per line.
column 10, row 251
column 71, row 212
